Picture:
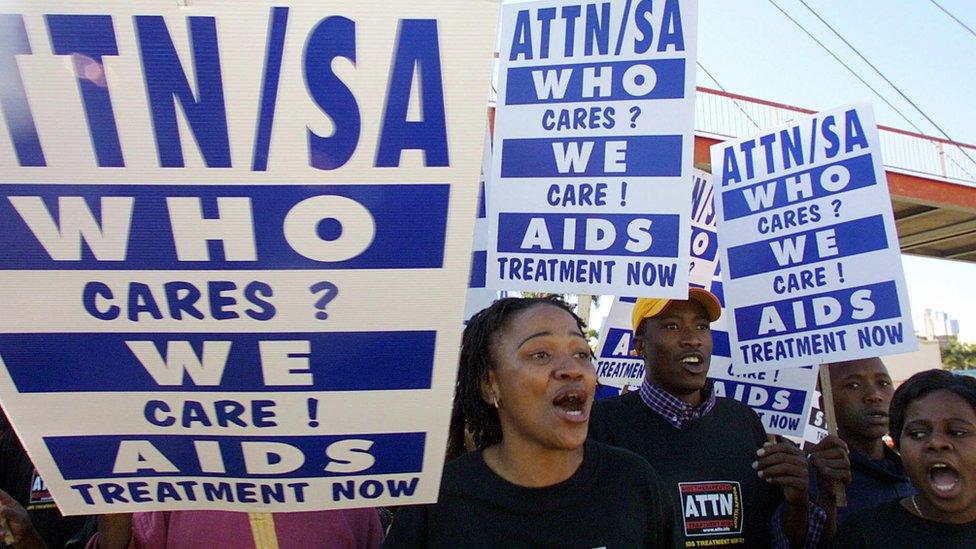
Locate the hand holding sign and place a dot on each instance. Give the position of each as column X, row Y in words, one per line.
column 830, row 458
column 783, row 464
column 15, row 524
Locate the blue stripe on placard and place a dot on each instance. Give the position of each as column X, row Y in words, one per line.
column 704, row 244
column 482, row 204
column 409, row 221
column 479, row 269
column 614, row 335
column 793, row 189
column 94, row 456
column 870, row 303
column 719, row 290
column 642, row 156
column 653, row 235
column 765, row 397
column 337, row 361
column 269, row 91
column 720, row 344
column 623, row 80
column 849, row 238
column 16, row 108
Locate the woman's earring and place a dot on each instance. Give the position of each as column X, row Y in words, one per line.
column 494, row 401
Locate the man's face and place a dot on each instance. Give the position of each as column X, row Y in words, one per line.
column 677, row 348
column 862, row 392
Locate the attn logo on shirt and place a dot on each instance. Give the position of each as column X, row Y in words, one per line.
column 40, row 496
column 711, row 509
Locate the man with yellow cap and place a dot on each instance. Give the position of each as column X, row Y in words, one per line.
column 732, row 487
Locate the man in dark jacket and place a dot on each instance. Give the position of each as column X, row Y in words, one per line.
column 862, row 391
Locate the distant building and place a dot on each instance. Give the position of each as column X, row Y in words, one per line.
column 903, row 366
column 937, row 326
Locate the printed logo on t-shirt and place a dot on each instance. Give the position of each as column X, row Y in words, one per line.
column 711, row 508
column 40, row 496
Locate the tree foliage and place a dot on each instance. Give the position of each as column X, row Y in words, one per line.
column 957, row 355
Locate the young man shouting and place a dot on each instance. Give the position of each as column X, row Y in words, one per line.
column 732, row 487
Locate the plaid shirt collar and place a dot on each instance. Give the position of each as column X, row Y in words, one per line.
column 674, row 410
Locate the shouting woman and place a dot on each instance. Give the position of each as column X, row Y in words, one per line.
column 523, row 397
column 933, row 421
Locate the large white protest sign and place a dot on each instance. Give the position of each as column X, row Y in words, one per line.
column 781, row 398
column 593, row 148
column 808, row 238
column 218, row 225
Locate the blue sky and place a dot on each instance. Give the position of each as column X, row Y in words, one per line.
column 752, row 49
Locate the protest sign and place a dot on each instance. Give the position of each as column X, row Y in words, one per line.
column 781, row 398
column 817, row 425
column 593, row 148
column 218, row 224
column 704, row 236
column 479, row 296
column 616, row 367
column 808, row 238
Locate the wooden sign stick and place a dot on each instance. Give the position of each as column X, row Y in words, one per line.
column 831, row 419
column 263, row 530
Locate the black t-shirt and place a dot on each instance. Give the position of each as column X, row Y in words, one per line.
column 614, row 499
column 19, row 478
column 891, row 525
column 707, row 465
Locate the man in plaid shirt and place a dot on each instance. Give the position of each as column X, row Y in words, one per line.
column 732, row 486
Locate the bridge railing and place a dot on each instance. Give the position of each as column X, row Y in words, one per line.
column 728, row 115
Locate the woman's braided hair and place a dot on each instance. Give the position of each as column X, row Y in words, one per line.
column 470, row 409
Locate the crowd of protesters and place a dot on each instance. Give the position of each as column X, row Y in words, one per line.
column 534, row 461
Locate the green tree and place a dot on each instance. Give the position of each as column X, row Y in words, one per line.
column 957, row 355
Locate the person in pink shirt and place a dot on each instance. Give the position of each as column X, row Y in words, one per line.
column 341, row 529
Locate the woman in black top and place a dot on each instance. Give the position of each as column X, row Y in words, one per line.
column 524, row 391
column 933, row 421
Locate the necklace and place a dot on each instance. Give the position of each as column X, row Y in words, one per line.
column 917, row 510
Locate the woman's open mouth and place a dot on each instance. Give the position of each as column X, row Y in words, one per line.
column 571, row 405
column 944, row 480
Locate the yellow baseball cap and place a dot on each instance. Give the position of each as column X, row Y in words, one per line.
column 649, row 307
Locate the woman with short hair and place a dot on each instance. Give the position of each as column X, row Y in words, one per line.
column 524, row 392
column 933, row 423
